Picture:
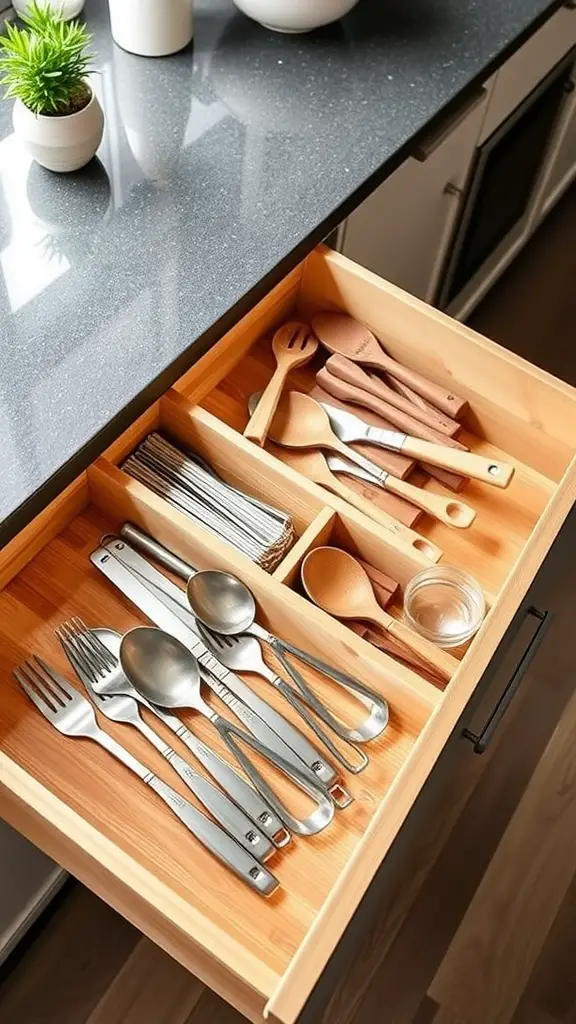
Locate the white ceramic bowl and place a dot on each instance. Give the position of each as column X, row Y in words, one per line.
column 69, row 8
column 295, row 15
column 60, row 143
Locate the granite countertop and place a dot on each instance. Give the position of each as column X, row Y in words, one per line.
column 220, row 168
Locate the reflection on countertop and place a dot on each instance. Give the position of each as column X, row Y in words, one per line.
column 216, row 164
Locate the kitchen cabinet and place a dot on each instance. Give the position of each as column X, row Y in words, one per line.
column 28, row 881
column 453, row 875
column 561, row 169
column 268, row 958
column 403, row 230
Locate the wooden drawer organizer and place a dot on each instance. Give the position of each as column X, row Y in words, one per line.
column 93, row 817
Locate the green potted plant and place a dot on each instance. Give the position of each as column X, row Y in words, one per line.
column 44, row 67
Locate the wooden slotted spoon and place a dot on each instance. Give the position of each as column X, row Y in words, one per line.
column 300, row 422
column 293, row 345
column 337, row 583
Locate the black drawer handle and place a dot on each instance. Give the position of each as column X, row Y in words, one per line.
column 482, row 739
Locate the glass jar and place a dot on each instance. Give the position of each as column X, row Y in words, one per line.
column 445, row 605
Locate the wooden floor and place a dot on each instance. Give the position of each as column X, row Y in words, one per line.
column 483, row 930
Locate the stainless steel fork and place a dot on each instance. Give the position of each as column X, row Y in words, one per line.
column 73, row 715
column 244, row 654
column 94, row 664
column 235, row 785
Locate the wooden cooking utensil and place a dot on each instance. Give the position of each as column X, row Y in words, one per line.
column 301, row 423
column 348, row 337
column 313, row 465
column 437, row 424
column 350, row 427
column 293, row 345
column 337, row 583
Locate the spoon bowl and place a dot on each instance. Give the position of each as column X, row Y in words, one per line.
column 160, row 667
column 221, row 602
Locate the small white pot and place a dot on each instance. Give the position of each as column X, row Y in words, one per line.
column 295, row 15
column 151, row 28
column 60, row 143
column 69, row 8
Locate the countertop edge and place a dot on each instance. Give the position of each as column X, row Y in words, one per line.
column 14, row 523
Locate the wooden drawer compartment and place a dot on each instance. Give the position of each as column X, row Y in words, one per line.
column 92, row 816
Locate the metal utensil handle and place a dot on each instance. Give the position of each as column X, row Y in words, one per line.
column 298, row 751
column 130, row 585
column 305, row 713
column 221, row 845
column 315, row 822
column 238, row 824
column 265, row 722
column 320, row 772
column 162, row 555
column 247, row 799
column 379, row 716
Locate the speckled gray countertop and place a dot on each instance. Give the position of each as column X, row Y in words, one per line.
column 220, row 168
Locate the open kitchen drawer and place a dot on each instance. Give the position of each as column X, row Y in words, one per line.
column 87, row 812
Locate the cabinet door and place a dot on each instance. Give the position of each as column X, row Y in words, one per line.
column 27, row 881
column 402, row 231
column 563, row 159
column 483, row 872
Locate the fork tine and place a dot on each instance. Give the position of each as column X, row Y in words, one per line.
column 54, row 681
column 36, row 679
column 99, row 648
column 44, row 706
column 82, row 637
column 74, row 644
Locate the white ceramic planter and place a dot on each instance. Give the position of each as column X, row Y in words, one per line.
column 60, row 143
column 295, row 15
column 69, row 8
column 151, row 28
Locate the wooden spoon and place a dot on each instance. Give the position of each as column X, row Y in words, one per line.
column 337, row 583
column 313, row 465
column 301, row 423
column 293, row 345
column 348, row 337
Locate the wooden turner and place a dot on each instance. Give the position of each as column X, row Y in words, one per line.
column 293, row 345
column 300, row 422
column 348, row 337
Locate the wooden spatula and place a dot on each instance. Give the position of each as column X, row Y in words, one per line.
column 293, row 345
column 300, row 422
column 348, row 337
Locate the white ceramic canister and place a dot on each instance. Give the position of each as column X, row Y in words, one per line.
column 295, row 15
column 151, row 28
column 60, row 143
column 68, row 8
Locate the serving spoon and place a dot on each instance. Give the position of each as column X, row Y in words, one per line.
column 164, row 671
column 378, row 717
column 336, row 582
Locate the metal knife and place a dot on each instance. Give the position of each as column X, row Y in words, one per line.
column 349, row 428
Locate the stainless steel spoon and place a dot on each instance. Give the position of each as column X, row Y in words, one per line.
column 236, row 616
column 162, row 669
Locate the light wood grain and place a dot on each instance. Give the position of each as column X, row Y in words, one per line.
column 265, row 958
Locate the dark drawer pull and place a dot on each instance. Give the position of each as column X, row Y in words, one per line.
column 482, row 739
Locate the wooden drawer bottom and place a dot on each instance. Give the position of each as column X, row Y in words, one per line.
column 88, row 813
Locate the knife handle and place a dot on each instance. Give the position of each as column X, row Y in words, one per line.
column 447, row 510
column 489, row 471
